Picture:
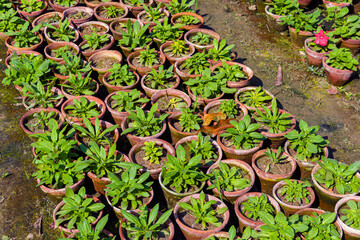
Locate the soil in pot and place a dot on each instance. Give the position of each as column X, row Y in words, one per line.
column 34, row 125
column 79, row 15
column 140, row 155
column 88, row 29
column 136, row 63
column 103, row 12
column 189, row 220
column 171, row 103
column 216, row 109
column 99, row 48
column 105, row 62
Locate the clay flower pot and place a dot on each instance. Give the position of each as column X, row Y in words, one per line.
column 239, row 84
column 193, row 233
column 113, row 88
column 176, row 134
column 99, row 103
column 56, row 104
column 10, row 41
column 8, row 58
column 298, row 39
column 268, row 180
column 50, row 40
column 188, row 27
column 113, row 26
column 304, row 3
column 352, row 44
column 154, row 172
column 119, row 117
column 73, row 10
column 349, row 232
column 141, row 15
column 44, row 18
column 107, row 46
column 232, row 153
column 134, row 9
column 202, row 101
column 245, row 221
column 144, row 70
column 232, row 196
column 150, row 92
column 100, row 25
column 59, row 8
column 329, row 4
column 57, row 45
column 111, row 56
column 170, row 93
column 30, row 16
column 313, row 58
column 198, row 47
column 182, row 74
column 336, row 77
column 274, row 21
column 290, row 209
column 219, row 235
column 327, row 198
column 109, row 20
column 173, row 59
column 244, row 89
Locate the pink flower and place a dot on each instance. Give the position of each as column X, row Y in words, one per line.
column 321, row 39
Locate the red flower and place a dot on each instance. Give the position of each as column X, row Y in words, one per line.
column 321, row 39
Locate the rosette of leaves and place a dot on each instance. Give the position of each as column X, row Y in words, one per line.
column 254, row 207
column 31, row 5
column 9, row 21
column 77, row 85
column 275, row 158
column 148, row 57
column 153, row 14
column 203, row 147
column 137, row 3
column 37, row 95
column 181, row 174
column 63, row 50
column 189, row 120
column 160, row 79
column 232, row 73
column 196, row 64
column 95, row 41
column 73, row 65
column 295, row 192
column 177, row 48
column 301, row 21
column 254, row 97
column 82, row 108
column 306, row 143
column 200, row 38
column 350, row 213
column 283, row 7
column 220, row 51
column 229, row 108
column 320, row 226
column 349, row 28
column 135, row 36
column 188, row 20
column 120, row 75
column 243, row 134
column 62, row 32
column 166, row 32
column 112, row 11
column 65, row 3
column 25, row 37
column 335, row 16
column 153, row 152
column 127, row 101
column 178, row 6
column 338, row 177
column 204, row 211
column 41, row 120
column 341, row 58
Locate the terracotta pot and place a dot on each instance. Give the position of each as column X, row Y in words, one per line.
column 232, row 196
column 68, row 231
column 136, row 10
column 193, row 233
column 91, row 4
column 252, row 109
column 219, row 235
column 352, row 44
column 133, row 139
column 349, row 232
column 144, row 70
column 290, row 209
column 103, row 54
column 172, row 60
column 109, row 20
column 44, row 18
column 205, row 166
column 60, row 193
column 173, row 197
column 119, row 117
column 77, row 120
column 117, row 35
column 8, row 58
column 313, row 58
column 88, row 54
column 69, row 96
column 274, row 21
column 176, row 135
column 9, row 41
column 336, row 77
column 102, row 25
column 298, row 39
column 305, row 167
column 327, row 198
column 63, row 78
column 193, row 32
column 150, row 92
column 188, row 27
column 30, row 16
column 329, row 4
column 304, row 3
column 112, row 88
column 203, row 101
column 154, row 173
column 244, row 155
column 239, row 84
column 243, row 220
column 268, row 180
column 104, row 231
column 57, row 45
column 50, row 40
column 57, row 105
column 74, row 10
column 170, row 92
column 152, row 24
column 183, row 75
column 59, row 8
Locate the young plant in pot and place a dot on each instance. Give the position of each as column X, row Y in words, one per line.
column 171, row 101
column 151, row 15
column 147, row 224
column 178, row 6
column 93, row 26
column 121, row 102
column 10, row 22
column 220, row 52
column 109, row 12
column 144, row 60
column 191, row 67
column 339, row 66
column 348, row 209
column 242, row 140
column 201, row 39
column 76, row 208
column 62, row 5
column 37, row 95
column 254, row 97
column 306, row 147
column 136, row 6
column 348, row 32
column 181, row 177
column 54, row 51
column 188, row 20
column 79, row 15
column 47, row 18
column 293, row 195
column 79, row 85
column 71, row 64
column 94, row 43
column 61, row 32
column 334, row 180
column 103, row 60
column 199, row 215
column 30, row 9
column 129, row 191
column 236, row 74
column 177, row 49
column 230, row 179
column 140, row 125
column 165, row 32
column 277, row 9
column 120, row 77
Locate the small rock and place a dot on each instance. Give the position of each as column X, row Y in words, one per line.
column 252, row 8
column 333, row 90
column 29, row 236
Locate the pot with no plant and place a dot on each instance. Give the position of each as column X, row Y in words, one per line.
column 242, row 148
column 151, row 15
column 180, row 177
column 249, row 206
column 103, row 61
column 316, row 48
column 136, row 6
column 306, row 147
column 188, row 20
column 120, row 78
column 71, row 64
column 334, row 180
column 144, row 60
column 61, row 31
column 293, row 195
column 230, row 179
column 165, row 32
column 339, row 66
column 95, row 43
column 201, row 38
column 177, row 49
column 151, row 155
column 110, row 11
column 79, row 15
column 254, row 97
column 31, row 9
column 199, row 215
column 62, row 5
column 79, row 85
column 87, row 28
column 171, row 101
column 141, row 126
column 191, row 67
column 238, row 75
column 54, row 50
column 272, row 166
column 278, row 9
column 348, row 209
column 120, row 103
column 47, row 18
